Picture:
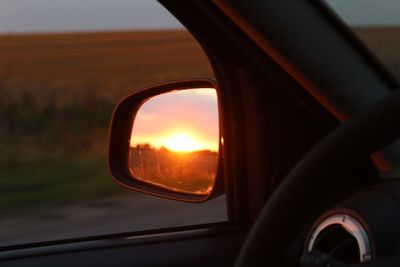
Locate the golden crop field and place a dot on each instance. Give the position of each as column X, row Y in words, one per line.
column 384, row 42
column 109, row 65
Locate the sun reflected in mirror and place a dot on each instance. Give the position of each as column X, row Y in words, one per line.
column 182, row 142
column 175, row 141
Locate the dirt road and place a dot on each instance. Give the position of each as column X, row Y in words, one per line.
column 128, row 212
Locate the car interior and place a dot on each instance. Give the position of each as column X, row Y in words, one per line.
column 308, row 162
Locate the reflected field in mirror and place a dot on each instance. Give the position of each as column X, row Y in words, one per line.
column 175, row 140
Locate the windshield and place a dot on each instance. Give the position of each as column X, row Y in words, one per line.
column 377, row 24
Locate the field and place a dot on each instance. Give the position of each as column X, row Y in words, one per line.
column 57, row 93
column 192, row 172
column 384, row 42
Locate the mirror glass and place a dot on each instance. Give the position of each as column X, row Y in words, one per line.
column 175, row 140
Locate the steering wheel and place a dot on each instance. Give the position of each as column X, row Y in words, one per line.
column 276, row 230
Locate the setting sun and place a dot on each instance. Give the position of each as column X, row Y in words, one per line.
column 182, row 142
column 180, row 121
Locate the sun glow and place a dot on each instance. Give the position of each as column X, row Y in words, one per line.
column 177, row 140
column 182, row 142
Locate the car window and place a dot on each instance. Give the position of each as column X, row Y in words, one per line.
column 377, row 24
column 64, row 65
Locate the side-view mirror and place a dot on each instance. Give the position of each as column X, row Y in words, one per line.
column 165, row 141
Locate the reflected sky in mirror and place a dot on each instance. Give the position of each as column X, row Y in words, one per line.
column 185, row 120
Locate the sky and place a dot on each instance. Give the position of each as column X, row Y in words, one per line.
column 367, row 12
column 19, row 16
column 185, row 120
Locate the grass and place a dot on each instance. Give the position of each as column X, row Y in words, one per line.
column 27, row 186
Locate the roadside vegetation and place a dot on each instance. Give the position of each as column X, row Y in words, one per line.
column 192, row 172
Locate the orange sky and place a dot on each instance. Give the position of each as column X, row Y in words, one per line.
column 185, row 120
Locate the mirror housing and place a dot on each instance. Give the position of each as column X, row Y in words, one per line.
column 121, row 127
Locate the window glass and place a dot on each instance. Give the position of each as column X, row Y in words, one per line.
column 64, row 65
column 377, row 24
